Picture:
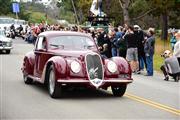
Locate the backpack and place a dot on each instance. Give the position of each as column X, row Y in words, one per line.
column 122, row 44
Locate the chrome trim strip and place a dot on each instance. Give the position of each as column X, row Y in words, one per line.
column 73, row 81
column 35, row 78
column 119, row 81
column 87, row 81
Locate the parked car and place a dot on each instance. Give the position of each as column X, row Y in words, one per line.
column 72, row 59
column 5, row 42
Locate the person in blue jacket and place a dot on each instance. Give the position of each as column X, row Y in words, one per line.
column 173, row 40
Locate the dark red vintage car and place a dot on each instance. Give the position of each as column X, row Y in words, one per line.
column 72, row 59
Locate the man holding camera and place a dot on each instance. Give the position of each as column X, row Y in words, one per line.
column 171, row 66
column 177, row 46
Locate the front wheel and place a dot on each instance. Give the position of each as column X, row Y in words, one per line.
column 54, row 88
column 8, row 51
column 119, row 90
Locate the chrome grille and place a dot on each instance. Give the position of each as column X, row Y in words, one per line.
column 3, row 43
column 94, row 66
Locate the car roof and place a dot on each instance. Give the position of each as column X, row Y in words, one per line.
column 57, row 33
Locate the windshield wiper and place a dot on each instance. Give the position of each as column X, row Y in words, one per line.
column 58, row 46
column 88, row 46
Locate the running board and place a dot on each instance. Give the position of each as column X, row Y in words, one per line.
column 35, row 78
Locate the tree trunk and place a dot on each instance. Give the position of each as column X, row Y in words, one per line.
column 164, row 34
column 124, row 5
column 75, row 12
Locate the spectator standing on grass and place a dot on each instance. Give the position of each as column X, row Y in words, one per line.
column 132, row 51
column 177, row 46
column 149, row 51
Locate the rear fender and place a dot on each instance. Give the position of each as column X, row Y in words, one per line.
column 28, row 63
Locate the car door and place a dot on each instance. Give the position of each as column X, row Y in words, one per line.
column 41, row 56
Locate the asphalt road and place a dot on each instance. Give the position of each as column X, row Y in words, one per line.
column 146, row 98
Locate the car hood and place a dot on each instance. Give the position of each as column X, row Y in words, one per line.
column 5, row 39
column 72, row 53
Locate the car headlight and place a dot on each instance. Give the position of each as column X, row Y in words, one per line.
column 75, row 66
column 9, row 44
column 112, row 67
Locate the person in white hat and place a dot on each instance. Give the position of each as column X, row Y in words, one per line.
column 171, row 66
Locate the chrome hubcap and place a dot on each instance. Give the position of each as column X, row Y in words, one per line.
column 51, row 82
column 116, row 88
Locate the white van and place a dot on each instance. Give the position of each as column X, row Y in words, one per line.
column 6, row 22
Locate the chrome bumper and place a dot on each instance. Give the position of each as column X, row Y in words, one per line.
column 5, row 48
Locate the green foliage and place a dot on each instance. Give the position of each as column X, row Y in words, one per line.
column 5, row 7
column 66, row 11
column 138, row 7
column 160, row 46
column 83, row 7
column 36, row 17
column 23, row 13
column 161, row 5
column 115, row 11
column 67, row 15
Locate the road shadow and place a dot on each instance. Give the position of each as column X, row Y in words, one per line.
column 76, row 92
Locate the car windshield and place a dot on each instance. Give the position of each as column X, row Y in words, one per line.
column 72, row 42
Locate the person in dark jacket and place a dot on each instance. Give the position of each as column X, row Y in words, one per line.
column 132, row 51
column 149, row 51
column 140, row 40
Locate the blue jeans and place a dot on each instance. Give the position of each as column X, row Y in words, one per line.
column 141, row 63
column 114, row 52
column 149, row 62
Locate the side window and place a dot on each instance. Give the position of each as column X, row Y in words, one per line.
column 41, row 44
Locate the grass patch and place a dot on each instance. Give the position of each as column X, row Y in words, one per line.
column 160, row 46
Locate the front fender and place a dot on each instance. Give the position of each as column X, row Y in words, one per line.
column 60, row 66
column 122, row 64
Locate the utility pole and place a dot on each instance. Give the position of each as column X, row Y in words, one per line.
column 75, row 11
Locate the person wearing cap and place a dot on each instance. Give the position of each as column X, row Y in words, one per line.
column 140, row 39
column 177, row 46
column 170, row 67
column 149, row 51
